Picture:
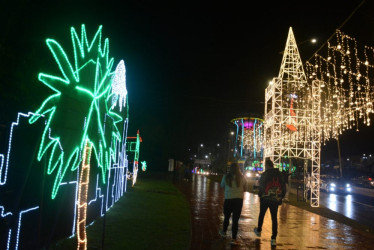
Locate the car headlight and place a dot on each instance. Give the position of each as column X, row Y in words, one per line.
column 372, row 182
column 348, row 185
column 333, row 185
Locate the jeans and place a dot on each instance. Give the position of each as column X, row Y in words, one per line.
column 233, row 206
column 273, row 206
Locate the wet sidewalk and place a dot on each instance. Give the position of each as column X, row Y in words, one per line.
column 297, row 228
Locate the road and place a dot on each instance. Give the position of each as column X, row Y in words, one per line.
column 358, row 206
column 354, row 206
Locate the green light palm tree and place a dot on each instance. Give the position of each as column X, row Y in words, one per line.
column 77, row 111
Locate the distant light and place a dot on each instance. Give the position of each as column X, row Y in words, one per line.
column 232, row 133
column 206, row 156
column 313, row 40
column 201, row 145
column 270, row 82
column 248, row 174
column 218, row 145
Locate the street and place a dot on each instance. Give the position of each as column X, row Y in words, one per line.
column 354, row 206
column 298, row 228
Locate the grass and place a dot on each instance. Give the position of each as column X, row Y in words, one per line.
column 321, row 210
column 153, row 214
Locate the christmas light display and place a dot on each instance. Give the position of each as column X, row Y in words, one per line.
column 292, row 116
column 304, row 110
column 144, row 166
column 346, row 89
column 82, row 196
column 134, row 147
column 119, row 86
column 85, row 113
column 249, row 139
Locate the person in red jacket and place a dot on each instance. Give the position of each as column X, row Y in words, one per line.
column 272, row 189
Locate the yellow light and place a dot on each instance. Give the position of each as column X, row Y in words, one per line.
column 84, row 180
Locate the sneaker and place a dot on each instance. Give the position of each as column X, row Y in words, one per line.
column 222, row 233
column 273, row 242
column 258, row 233
column 235, row 242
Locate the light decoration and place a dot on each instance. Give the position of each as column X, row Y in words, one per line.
column 83, row 93
column 292, row 115
column 134, row 147
column 337, row 95
column 119, row 86
column 82, row 111
column 144, row 166
column 346, row 90
column 82, row 87
column 4, row 172
column 82, row 196
column 249, row 137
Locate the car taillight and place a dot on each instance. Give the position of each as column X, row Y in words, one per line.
column 370, row 179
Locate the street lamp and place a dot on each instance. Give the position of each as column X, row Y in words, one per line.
column 198, row 150
column 311, row 40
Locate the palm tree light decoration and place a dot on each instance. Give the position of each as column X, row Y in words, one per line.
column 81, row 107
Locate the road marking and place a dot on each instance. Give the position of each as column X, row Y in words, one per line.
column 362, row 204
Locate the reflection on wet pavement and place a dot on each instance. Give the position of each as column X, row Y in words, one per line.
column 297, row 228
column 354, row 206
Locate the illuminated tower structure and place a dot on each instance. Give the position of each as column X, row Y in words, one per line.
column 248, row 146
column 292, row 117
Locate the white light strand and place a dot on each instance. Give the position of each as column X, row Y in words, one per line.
column 119, row 86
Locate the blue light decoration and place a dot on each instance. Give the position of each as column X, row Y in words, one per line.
column 248, row 142
column 49, row 150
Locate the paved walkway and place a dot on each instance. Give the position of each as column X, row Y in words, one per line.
column 297, row 228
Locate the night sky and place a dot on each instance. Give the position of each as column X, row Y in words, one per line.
column 191, row 66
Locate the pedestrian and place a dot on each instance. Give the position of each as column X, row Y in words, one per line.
column 233, row 183
column 271, row 192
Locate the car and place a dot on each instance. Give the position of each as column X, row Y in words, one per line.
column 251, row 174
column 336, row 185
column 252, row 178
column 365, row 181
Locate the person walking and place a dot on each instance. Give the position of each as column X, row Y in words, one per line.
column 271, row 192
column 233, row 183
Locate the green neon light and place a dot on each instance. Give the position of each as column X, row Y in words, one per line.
column 79, row 107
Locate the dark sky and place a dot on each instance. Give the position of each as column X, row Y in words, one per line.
column 191, row 66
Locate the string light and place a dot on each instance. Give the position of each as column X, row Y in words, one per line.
column 292, row 115
column 80, row 110
column 82, row 196
column 119, row 86
column 337, row 97
column 345, row 74
column 144, row 166
column 250, row 137
column 19, row 226
column 133, row 176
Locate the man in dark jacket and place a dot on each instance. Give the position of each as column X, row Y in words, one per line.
column 271, row 192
